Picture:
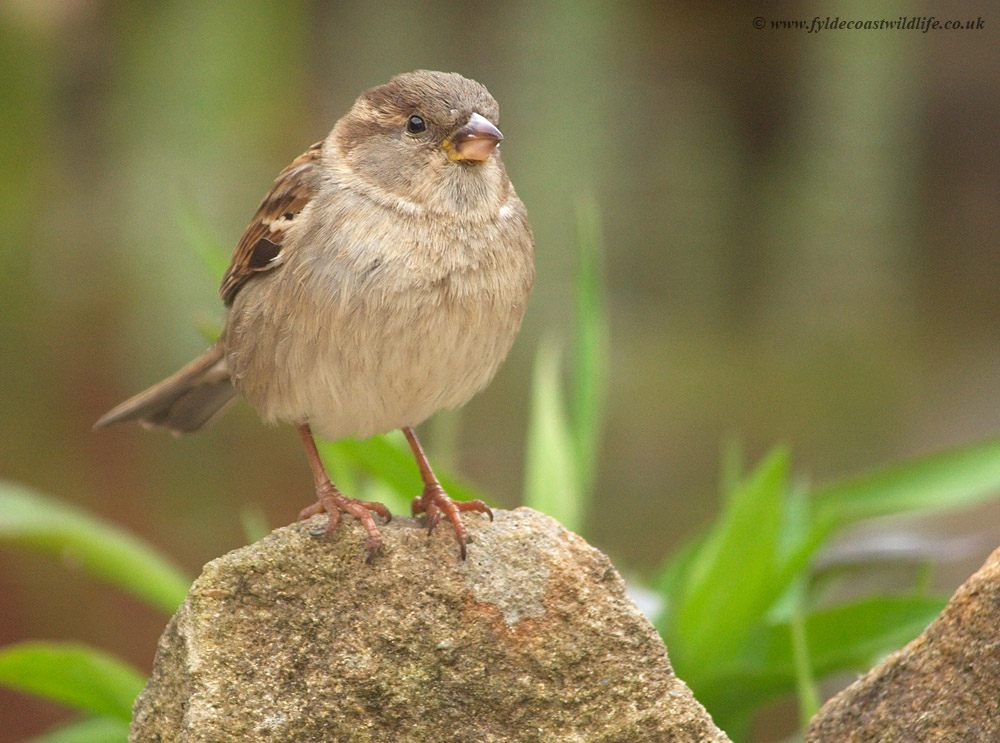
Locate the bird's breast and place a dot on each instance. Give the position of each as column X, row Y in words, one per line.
column 379, row 328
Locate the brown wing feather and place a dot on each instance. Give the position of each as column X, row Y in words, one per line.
column 260, row 247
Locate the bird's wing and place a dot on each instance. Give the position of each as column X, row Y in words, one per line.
column 260, row 247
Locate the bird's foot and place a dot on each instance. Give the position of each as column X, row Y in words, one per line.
column 332, row 501
column 433, row 501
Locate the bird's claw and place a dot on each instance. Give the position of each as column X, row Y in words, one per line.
column 434, row 501
column 332, row 501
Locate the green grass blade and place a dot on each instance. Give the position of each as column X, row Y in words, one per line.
column 589, row 388
column 550, row 474
column 730, row 582
column 340, row 467
column 805, row 678
column 847, row 638
column 383, row 459
column 851, row 636
column 94, row 730
column 105, row 551
column 388, row 459
column 799, row 544
column 671, row 579
column 952, row 479
column 347, row 463
column 74, row 675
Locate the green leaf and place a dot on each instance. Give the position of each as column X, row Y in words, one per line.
column 550, row 478
column 797, row 546
column 94, row 730
column 850, row 636
column 671, row 580
column 590, row 354
column 72, row 674
column 843, row 638
column 806, row 689
column 731, row 581
column 104, row 551
column 388, row 458
column 733, row 596
column 381, row 458
column 951, row 479
column 347, row 462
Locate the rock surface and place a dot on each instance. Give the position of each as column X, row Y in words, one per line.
column 295, row 638
column 943, row 687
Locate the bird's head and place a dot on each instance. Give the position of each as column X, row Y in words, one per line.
column 429, row 139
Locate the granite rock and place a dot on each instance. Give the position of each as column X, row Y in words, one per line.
column 296, row 638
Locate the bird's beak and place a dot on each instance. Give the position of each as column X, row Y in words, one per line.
column 474, row 141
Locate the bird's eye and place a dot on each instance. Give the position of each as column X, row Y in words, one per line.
column 415, row 124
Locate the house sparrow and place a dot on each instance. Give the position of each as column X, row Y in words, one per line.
column 383, row 278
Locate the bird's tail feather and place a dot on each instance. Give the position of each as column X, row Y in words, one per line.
column 183, row 402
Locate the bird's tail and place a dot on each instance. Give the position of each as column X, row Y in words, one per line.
column 184, row 401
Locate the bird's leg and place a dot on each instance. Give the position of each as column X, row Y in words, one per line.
column 434, row 500
column 331, row 500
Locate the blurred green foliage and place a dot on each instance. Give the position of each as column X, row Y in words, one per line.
column 746, row 621
column 112, row 554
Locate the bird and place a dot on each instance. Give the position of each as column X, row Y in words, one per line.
column 383, row 277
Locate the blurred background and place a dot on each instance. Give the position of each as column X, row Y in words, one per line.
column 801, row 247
